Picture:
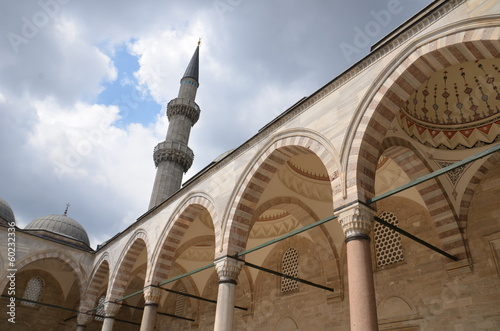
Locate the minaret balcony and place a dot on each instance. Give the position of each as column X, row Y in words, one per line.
column 173, row 151
column 184, row 107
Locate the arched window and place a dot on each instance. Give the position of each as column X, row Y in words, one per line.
column 388, row 248
column 290, row 267
column 180, row 301
column 33, row 291
column 100, row 310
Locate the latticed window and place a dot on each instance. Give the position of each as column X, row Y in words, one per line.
column 290, row 267
column 388, row 248
column 33, row 291
column 100, row 310
column 180, row 301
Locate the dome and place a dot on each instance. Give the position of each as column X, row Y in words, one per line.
column 6, row 212
column 456, row 108
column 60, row 224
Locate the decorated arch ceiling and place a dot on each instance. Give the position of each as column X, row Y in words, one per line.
column 456, row 108
column 307, row 176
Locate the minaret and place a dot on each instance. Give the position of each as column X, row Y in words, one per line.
column 173, row 157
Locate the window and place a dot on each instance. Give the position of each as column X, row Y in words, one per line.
column 290, row 267
column 33, row 291
column 388, row 248
column 180, row 301
column 100, row 310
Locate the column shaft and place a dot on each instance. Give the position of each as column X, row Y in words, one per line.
column 149, row 317
column 152, row 296
column 110, row 310
column 356, row 222
column 107, row 325
column 362, row 305
column 225, row 307
column 228, row 270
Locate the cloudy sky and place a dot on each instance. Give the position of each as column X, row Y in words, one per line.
column 84, row 85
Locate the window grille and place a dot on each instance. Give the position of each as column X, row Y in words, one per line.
column 388, row 247
column 100, row 313
column 290, row 267
column 180, row 301
column 33, row 291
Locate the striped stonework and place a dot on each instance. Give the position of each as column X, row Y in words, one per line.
column 99, row 277
column 172, row 237
column 422, row 61
column 432, row 193
column 305, row 216
column 490, row 162
column 122, row 275
column 259, row 176
column 64, row 259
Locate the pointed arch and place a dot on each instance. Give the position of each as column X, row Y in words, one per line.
column 305, row 216
column 409, row 159
column 99, row 276
column 124, row 267
column 474, row 40
column 255, row 178
column 78, row 273
column 490, row 162
column 171, row 237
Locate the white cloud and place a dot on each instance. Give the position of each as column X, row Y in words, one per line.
column 58, row 145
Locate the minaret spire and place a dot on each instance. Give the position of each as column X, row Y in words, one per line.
column 173, row 157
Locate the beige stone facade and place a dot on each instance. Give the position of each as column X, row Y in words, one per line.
column 426, row 97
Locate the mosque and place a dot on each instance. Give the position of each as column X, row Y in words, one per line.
column 372, row 204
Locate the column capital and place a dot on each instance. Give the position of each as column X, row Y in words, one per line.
column 228, row 269
column 356, row 220
column 110, row 308
column 152, row 295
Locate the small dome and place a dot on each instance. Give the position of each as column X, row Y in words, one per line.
column 60, row 224
column 6, row 212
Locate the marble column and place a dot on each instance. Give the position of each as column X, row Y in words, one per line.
column 82, row 320
column 110, row 310
column 228, row 270
column 152, row 296
column 356, row 222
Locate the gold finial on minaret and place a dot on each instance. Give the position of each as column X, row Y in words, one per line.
column 199, row 42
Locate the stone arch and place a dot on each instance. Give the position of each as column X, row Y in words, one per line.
column 191, row 242
column 123, row 269
column 439, row 206
column 258, row 174
column 56, row 255
column 168, row 305
column 303, row 214
column 286, row 324
column 174, row 231
column 97, row 279
column 433, row 52
column 392, row 306
column 490, row 162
